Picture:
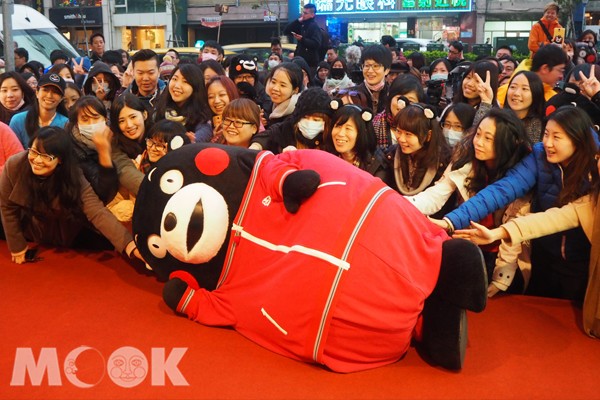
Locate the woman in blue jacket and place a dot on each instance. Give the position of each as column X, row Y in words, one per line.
column 561, row 169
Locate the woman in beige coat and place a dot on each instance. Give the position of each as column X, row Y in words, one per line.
column 584, row 212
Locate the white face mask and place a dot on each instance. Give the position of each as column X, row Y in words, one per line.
column 439, row 77
column 452, row 136
column 273, row 64
column 104, row 86
column 209, row 56
column 310, row 129
column 570, row 55
column 69, row 80
column 88, row 131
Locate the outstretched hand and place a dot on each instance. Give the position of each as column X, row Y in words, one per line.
column 480, row 235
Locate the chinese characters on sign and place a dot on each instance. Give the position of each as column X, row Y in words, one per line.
column 352, row 6
column 325, row 6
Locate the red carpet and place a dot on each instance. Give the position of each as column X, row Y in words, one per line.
column 520, row 347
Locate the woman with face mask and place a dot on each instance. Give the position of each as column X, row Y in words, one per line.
column 93, row 146
column 102, row 83
column 338, row 78
column 305, row 127
column 456, row 120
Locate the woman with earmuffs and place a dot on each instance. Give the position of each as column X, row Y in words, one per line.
column 352, row 138
column 423, row 153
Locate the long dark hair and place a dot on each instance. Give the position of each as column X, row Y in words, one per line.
column 32, row 120
column 536, row 109
column 28, row 95
column 64, row 183
column 582, row 172
column 435, row 148
column 511, row 144
column 131, row 147
column 195, row 109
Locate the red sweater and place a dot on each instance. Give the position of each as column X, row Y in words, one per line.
column 340, row 283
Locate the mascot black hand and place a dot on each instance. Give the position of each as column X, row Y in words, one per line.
column 173, row 292
column 299, row 186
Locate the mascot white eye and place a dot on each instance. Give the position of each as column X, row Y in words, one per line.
column 156, row 246
column 171, row 181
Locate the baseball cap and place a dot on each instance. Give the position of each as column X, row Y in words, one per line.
column 53, row 80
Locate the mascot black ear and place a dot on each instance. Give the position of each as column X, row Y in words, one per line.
column 299, row 186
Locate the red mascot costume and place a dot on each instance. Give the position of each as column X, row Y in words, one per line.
column 316, row 259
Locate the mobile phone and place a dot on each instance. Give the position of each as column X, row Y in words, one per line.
column 31, row 255
column 559, row 35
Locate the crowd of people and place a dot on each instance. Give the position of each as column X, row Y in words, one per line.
column 477, row 146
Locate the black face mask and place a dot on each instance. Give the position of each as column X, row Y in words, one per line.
column 338, row 73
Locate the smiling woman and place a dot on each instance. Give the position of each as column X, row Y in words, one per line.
column 48, row 110
column 44, row 203
column 186, row 101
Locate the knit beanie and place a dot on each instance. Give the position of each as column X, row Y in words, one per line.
column 243, row 64
column 311, row 101
column 166, row 67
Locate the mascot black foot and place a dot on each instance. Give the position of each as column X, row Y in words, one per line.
column 461, row 286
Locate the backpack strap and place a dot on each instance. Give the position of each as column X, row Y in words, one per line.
column 548, row 35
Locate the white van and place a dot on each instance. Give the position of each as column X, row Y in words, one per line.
column 35, row 33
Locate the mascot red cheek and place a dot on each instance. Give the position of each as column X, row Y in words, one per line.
column 307, row 256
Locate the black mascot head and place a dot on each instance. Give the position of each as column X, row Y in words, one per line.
column 185, row 207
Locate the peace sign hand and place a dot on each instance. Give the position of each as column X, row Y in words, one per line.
column 590, row 86
column 484, row 88
column 78, row 67
column 100, row 92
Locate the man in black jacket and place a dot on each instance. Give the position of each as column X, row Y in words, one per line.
column 308, row 34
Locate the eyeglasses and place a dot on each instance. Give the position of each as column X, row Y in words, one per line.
column 158, row 146
column 237, row 124
column 455, row 52
column 244, row 78
column 374, row 67
column 456, row 127
column 45, row 157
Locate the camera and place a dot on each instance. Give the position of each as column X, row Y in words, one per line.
column 435, row 89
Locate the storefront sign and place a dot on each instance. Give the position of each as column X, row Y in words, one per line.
column 76, row 16
column 389, row 6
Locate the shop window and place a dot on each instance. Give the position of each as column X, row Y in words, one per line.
column 140, row 6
